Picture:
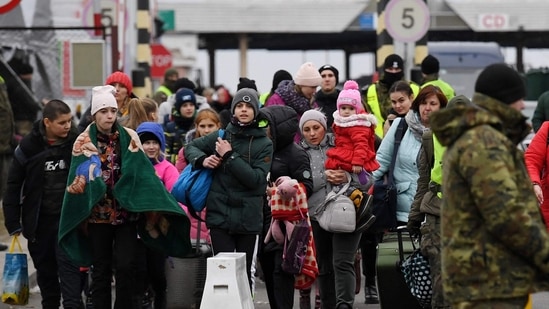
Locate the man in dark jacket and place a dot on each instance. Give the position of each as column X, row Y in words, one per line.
column 291, row 160
column 32, row 203
column 326, row 97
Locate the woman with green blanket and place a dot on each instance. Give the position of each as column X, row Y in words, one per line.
column 113, row 194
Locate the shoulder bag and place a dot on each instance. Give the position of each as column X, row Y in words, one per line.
column 337, row 214
column 385, row 192
column 193, row 185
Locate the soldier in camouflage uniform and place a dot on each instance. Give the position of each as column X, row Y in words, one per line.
column 495, row 248
column 427, row 203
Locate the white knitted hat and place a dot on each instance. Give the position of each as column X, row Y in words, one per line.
column 102, row 97
column 308, row 75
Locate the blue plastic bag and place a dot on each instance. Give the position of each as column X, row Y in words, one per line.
column 15, row 279
column 193, row 185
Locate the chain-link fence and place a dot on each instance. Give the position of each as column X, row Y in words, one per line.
column 48, row 51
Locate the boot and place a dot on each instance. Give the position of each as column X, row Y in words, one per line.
column 305, row 299
column 370, row 294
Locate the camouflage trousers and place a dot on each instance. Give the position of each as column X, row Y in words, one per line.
column 499, row 303
column 430, row 248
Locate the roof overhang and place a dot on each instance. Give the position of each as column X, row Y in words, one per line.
column 502, row 15
column 260, row 16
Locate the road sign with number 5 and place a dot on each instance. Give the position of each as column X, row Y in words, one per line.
column 407, row 20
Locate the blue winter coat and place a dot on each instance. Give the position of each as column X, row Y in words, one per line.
column 406, row 171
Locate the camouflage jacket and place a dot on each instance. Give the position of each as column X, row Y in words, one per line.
column 494, row 242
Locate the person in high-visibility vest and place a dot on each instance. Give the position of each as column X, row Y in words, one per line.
column 166, row 89
column 424, row 217
column 430, row 67
column 377, row 95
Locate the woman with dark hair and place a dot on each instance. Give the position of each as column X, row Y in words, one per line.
column 401, row 96
column 425, row 211
column 406, row 172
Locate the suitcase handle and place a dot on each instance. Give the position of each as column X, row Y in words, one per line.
column 401, row 229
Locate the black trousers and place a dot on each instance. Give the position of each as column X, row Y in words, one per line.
column 279, row 284
column 118, row 242
column 56, row 274
column 223, row 241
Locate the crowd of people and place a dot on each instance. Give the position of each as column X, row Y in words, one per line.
column 94, row 197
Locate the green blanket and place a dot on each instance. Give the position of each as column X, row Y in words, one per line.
column 163, row 224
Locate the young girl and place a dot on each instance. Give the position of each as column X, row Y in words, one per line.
column 151, row 136
column 243, row 160
column 354, row 149
column 114, row 194
column 206, row 122
column 139, row 111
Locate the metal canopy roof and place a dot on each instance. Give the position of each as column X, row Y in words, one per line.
column 260, row 16
column 329, row 24
column 531, row 15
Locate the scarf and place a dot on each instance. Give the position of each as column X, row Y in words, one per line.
column 163, row 225
column 414, row 124
column 286, row 90
column 291, row 211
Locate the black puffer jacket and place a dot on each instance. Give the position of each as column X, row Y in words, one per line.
column 289, row 159
column 30, row 188
column 327, row 103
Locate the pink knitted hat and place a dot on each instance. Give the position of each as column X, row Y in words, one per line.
column 308, row 75
column 350, row 95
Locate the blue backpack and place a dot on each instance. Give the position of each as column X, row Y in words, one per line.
column 193, row 185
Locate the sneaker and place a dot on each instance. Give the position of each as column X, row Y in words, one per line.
column 370, row 293
column 3, row 247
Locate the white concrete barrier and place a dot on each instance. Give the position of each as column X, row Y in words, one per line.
column 227, row 283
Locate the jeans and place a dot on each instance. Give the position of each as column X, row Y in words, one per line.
column 114, row 245
column 335, row 254
column 56, row 274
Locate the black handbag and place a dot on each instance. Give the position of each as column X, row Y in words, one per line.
column 385, row 192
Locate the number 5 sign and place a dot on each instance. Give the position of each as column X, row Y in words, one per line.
column 407, row 20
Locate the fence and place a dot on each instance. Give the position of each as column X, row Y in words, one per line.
column 47, row 50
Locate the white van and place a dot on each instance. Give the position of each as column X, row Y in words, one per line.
column 462, row 62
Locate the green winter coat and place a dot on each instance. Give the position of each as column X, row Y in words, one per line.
column 235, row 200
column 494, row 242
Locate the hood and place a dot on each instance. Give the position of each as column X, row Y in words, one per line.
column 154, row 128
column 450, row 123
column 283, row 124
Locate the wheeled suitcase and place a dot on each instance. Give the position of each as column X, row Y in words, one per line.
column 392, row 289
column 185, row 277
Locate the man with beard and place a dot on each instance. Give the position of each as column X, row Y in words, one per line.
column 326, row 97
column 166, row 89
column 377, row 95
